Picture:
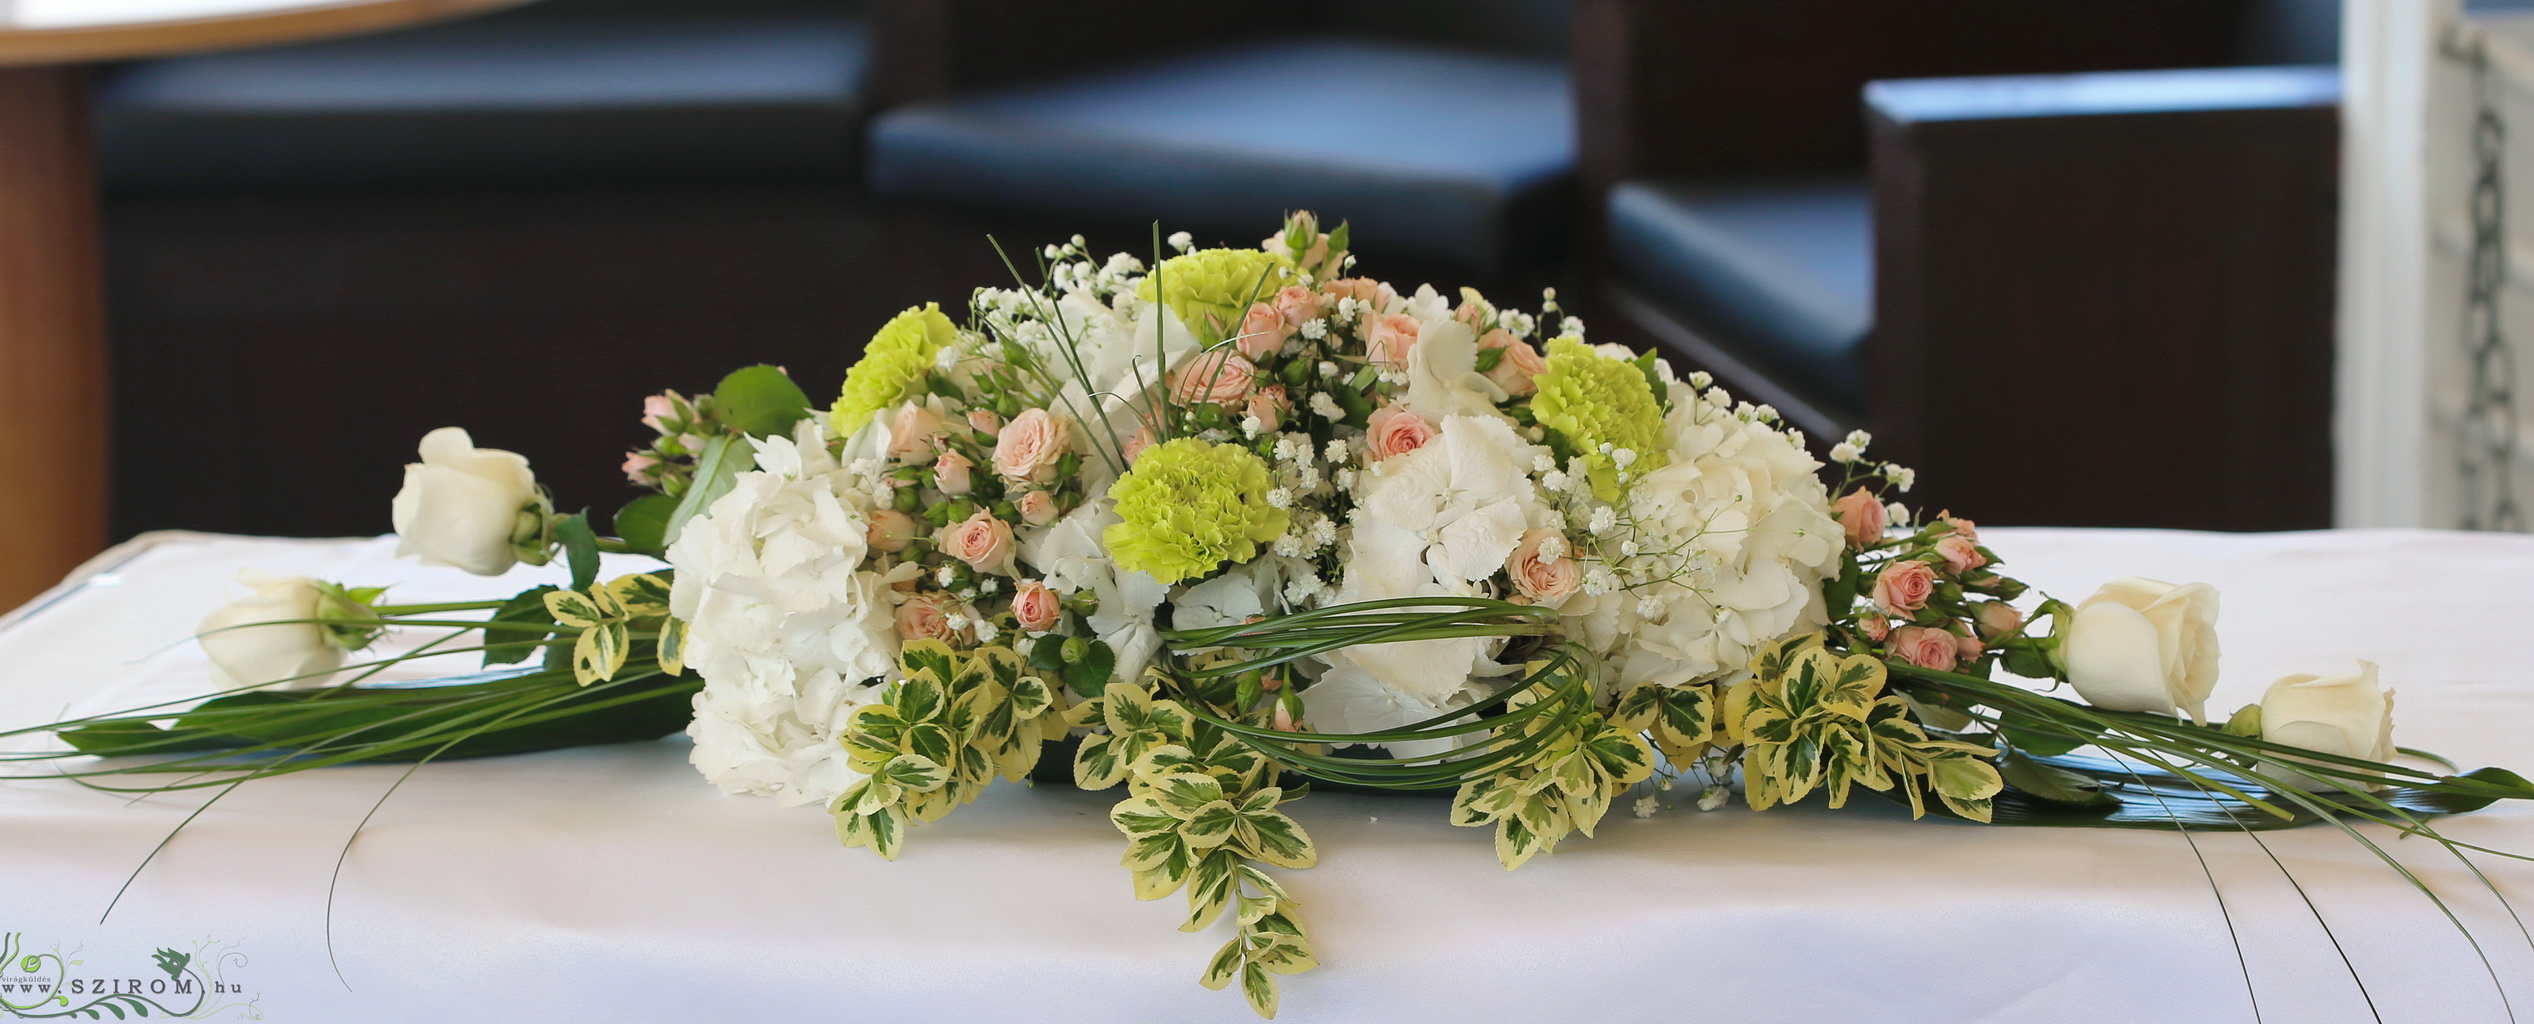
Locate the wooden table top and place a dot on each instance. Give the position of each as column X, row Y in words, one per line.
column 74, row 31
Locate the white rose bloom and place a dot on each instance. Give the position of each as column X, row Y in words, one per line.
column 788, row 632
column 2350, row 715
column 1745, row 523
column 245, row 652
column 1070, row 556
column 461, row 505
column 2144, row 645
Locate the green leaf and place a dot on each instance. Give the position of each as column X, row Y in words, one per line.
column 643, row 524
column 1210, row 825
column 761, row 400
column 2435, row 802
column 1099, row 762
column 914, row 771
column 670, row 648
column 1210, row 889
column 580, row 548
column 529, row 607
column 1259, row 987
column 2046, row 782
column 1090, row 675
column 1226, row 963
column 723, row 460
column 600, row 652
column 2049, row 737
column 1140, row 816
column 1488, row 358
column 1281, row 841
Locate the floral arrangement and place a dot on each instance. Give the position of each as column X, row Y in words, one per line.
column 1205, row 530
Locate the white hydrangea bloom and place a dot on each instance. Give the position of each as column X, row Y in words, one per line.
column 788, row 631
column 1742, row 506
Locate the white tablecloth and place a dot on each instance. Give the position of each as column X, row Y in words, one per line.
column 613, row 884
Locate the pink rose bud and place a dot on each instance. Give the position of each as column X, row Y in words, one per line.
column 912, row 428
column 1470, row 314
column 1997, row 618
column 1036, row 607
column 1038, row 508
column 1296, row 304
column 1389, row 338
column 984, row 421
column 1221, row 376
column 982, row 541
column 1904, row 587
column 638, row 466
column 1862, row 517
column 1030, row 445
column 1268, row 407
column 1925, row 647
column 891, row 530
column 1969, row 647
column 1396, row 431
column 926, row 616
column 1516, row 369
column 1876, row 627
column 1961, row 527
column 951, row 473
column 1540, row 578
column 1961, row 554
column 1263, row 331
column 1282, row 719
column 657, row 409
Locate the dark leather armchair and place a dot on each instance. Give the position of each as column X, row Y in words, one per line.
column 1745, row 226
column 1443, row 131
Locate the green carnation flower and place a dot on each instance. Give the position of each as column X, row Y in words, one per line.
column 893, row 366
column 1590, row 400
column 1211, row 289
column 1188, row 507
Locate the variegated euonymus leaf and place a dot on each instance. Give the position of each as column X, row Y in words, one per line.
column 1809, row 719
column 953, row 723
column 1200, row 816
column 608, row 615
column 1577, row 763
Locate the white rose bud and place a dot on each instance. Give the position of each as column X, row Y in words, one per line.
column 2349, row 715
column 477, row 509
column 2145, row 645
column 269, row 638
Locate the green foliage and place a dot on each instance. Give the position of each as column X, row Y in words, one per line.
column 938, row 736
column 607, row 617
column 643, row 524
column 724, row 458
column 1681, row 720
column 761, row 400
column 580, row 548
column 1562, row 786
column 1810, row 719
column 1199, row 815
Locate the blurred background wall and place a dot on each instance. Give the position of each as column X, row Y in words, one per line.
column 525, row 222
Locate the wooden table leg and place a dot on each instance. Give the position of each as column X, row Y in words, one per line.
column 53, row 419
